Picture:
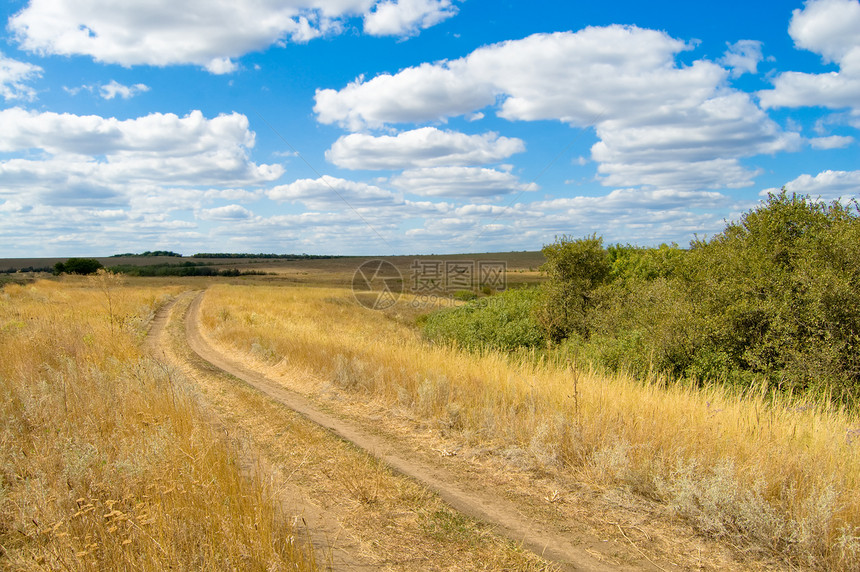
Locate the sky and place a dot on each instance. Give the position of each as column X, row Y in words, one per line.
column 365, row 127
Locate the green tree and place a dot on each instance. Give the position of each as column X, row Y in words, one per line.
column 574, row 268
column 78, row 266
column 776, row 294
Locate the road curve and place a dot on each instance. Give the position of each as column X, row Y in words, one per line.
column 481, row 504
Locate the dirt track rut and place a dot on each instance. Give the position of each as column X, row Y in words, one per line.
column 482, row 504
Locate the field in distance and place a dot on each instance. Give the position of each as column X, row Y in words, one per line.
column 522, row 267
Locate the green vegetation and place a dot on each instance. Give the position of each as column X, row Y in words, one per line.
column 78, row 266
column 505, row 322
column 184, row 269
column 31, row 268
column 261, row 255
column 770, row 302
column 148, row 253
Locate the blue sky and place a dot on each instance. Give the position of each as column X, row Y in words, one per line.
column 414, row 126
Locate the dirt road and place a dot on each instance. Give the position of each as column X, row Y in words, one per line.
column 488, row 506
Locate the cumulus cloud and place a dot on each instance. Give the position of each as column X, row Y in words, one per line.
column 405, row 17
column 461, row 182
column 114, row 88
column 828, row 28
column 425, row 93
column 208, row 33
column 621, row 215
column 832, row 142
column 226, row 213
column 424, row 147
column 326, row 192
column 742, row 57
column 93, row 184
column 826, row 184
column 795, row 89
column 634, row 198
column 14, row 76
column 659, row 123
column 90, row 158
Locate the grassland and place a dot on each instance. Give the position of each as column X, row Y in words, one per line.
column 361, row 514
column 106, row 460
column 775, row 479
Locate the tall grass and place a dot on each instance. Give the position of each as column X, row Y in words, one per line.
column 757, row 470
column 106, row 462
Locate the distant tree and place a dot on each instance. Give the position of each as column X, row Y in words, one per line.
column 78, row 266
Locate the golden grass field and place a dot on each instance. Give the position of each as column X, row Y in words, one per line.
column 106, row 462
column 110, row 460
column 771, row 477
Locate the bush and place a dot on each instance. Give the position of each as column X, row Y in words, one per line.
column 776, row 294
column 575, row 268
column 503, row 322
column 464, row 295
column 78, row 266
column 770, row 300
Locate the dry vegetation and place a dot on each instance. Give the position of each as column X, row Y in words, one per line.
column 106, row 461
column 360, row 513
column 766, row 475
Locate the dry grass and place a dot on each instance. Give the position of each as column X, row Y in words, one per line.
column 105, row 460
column 767, row 476
column 360, row 512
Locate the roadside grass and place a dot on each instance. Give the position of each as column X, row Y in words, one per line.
column 386, row 520
column 106, row 462
column 769, row 475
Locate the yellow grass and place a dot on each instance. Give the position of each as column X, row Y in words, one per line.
column 106, row 463
column 769, row 476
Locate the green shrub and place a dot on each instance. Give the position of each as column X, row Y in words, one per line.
column 776, row 294
column 464, row 295
column 503, row 322
column 78, row 266
column 771, row 300
column 575, row 268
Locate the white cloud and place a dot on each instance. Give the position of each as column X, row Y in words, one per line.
column 234, row 194
column 832, row 142
column 460, row 182
column 635, row 198
column 828, row 28
column 826, row 184
column 795, row 89
column 568, row 76
column 221, row 66
column 743, row 57
column 114, row 88
column 659, row 123
column 424, row 147
column 14, row 76
column 646, row 217
column 405, row 17
column 76, row 90
column 227, row 213
column 327, row 192
column 209, row 33
column 424, row 93
column 86, row 159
